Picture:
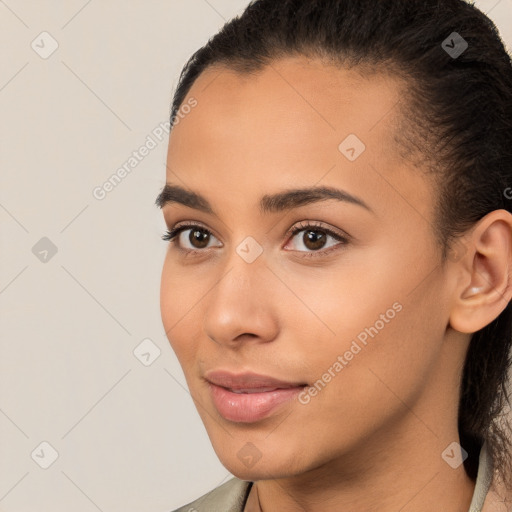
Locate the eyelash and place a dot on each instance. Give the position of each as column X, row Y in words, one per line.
column 171, row 236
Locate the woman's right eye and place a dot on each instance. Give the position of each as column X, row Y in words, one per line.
column 196, row 235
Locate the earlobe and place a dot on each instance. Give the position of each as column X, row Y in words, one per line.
column 486, row 285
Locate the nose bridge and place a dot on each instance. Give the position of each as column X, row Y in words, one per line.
column 238, row 303
column 243, row 274
column 246, row 257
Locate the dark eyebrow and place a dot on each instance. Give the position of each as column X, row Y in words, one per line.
column 281, row 201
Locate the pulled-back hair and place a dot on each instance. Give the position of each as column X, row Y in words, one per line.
column 454, row 125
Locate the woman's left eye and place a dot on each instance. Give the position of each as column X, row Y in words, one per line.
column 314, row 238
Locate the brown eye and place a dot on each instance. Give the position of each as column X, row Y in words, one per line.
column 197, row 239
column 199, row 236
column 314, row 239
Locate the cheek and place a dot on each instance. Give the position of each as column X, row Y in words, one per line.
column 394, row 365
column 179, row 300
column 344, row 299
column 349, row 400
column 168, row 303
column 374, row 330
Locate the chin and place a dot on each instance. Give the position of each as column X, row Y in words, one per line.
column 259, row 471
column 248, row 464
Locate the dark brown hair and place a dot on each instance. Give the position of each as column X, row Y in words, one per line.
column 457, row 110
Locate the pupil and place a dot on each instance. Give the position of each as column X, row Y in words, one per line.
column 198, row 236
column 317, row 240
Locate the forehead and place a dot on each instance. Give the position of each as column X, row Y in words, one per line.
column 289, row 122
column 308, row 95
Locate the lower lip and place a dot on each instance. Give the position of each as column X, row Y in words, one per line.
column 250, row 407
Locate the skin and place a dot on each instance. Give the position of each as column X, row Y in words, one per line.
column 372, row 439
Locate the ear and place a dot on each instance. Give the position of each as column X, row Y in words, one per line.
column 485, row 285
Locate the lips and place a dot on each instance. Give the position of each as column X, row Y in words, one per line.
column 248, row 382
column 249, row 397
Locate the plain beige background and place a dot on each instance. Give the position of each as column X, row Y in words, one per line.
column 90, row 419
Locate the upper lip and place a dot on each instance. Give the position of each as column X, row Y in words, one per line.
column 247, row 380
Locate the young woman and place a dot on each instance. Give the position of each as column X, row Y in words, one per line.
column 338, row 282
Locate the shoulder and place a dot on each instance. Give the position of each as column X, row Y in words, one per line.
column 228, row 497
column 498, row 499
column 490, row 490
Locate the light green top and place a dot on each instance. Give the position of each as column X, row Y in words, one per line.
column 232, row 495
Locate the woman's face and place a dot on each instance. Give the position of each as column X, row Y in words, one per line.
column 361, row 319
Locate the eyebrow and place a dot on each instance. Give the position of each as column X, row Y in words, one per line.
column 282, row 201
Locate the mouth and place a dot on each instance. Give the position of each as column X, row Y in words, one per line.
column 253, row 390
column 248, row 382
column 249, row 397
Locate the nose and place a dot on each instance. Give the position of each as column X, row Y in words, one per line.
column 239, row 308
